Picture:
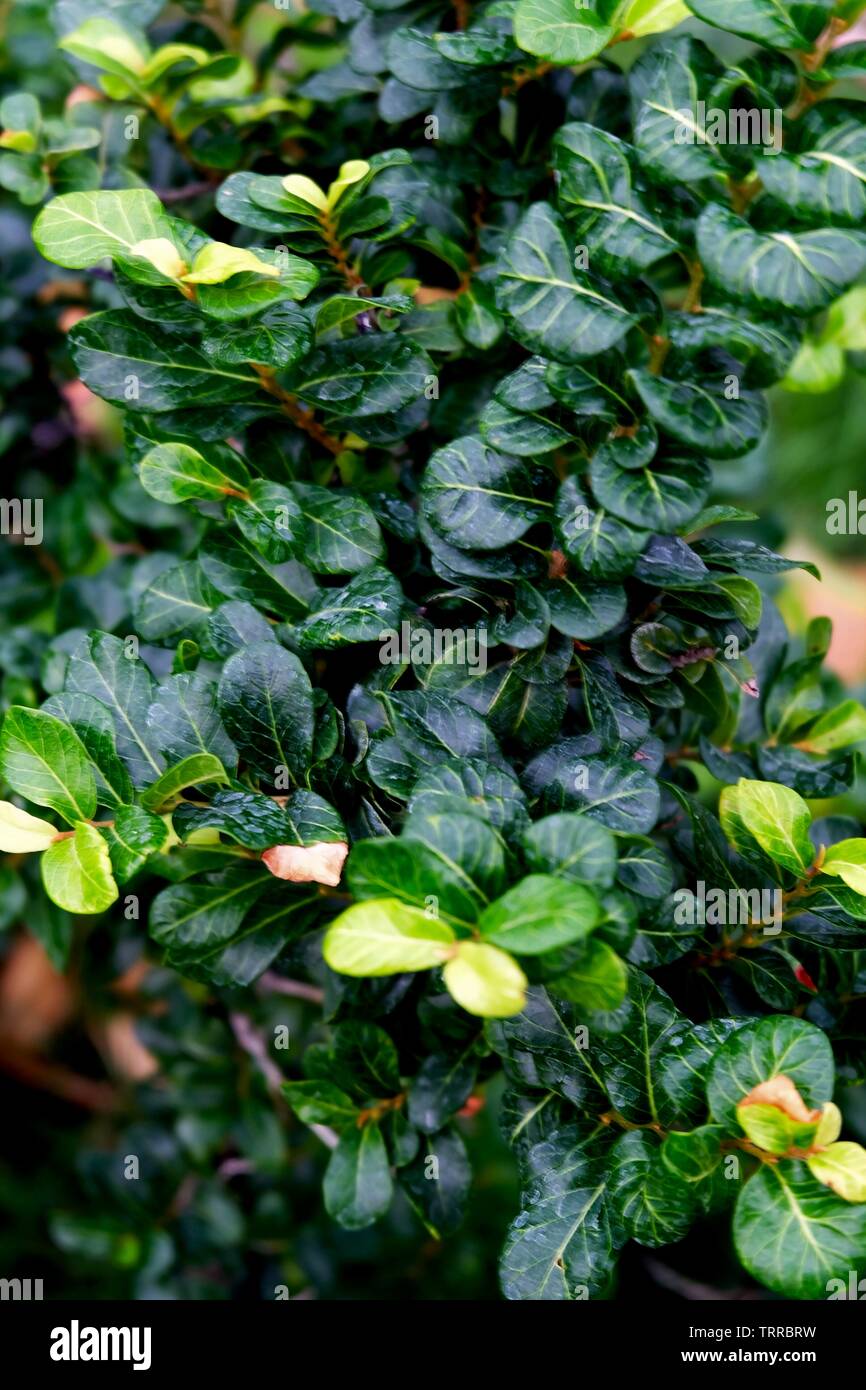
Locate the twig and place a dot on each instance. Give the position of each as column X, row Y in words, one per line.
column 691, row 1289
column 253, row 1044
column 295, row 989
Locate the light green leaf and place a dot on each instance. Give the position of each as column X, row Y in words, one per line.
column 842, row 1168
column 563, row 31
column 847, row 860
column 778, row 818
column 78, row 229
column 109, row 46
column 383, row 936
column 42, row 760
column 76, row 872
column 485, row 980
column 177, row 472
column 21, row 833
column 837, row 728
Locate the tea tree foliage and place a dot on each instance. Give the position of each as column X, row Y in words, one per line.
column 457, row 322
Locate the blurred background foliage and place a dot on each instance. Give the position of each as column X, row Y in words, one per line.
column 114, row 1057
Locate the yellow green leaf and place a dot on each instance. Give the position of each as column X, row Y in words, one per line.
column 21, row 833
column 305, row 189
column 163, row 255
column 218, row 261
column 485, row 980
column 842, row 1168
column 350, row 172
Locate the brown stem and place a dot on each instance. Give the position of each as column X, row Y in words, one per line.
column 692, row 302
column 292, row 407
column 659, row 349
column 337, row 252
column 293, row 989
column 523, row 75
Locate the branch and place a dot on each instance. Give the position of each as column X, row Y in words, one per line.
column 295, row 989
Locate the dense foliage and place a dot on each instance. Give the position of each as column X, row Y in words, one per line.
column 401, row 661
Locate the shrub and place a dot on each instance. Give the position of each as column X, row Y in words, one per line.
column 431, row 347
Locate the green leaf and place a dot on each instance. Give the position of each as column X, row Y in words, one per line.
column 484, row 980
column 182, row 719
column 177, row 601
column 440, row 1087
column 778, row 819
column 553, row 310
column 563, row 1244
column 789, row 270
column 666, row 84
column 107, row 669
column 76, row 872
column 370, row 604
column 837, row 728
column 320, row 1103
column 777, row 23
column 794, row 1235
column 197, row 921
column 342, row 534
column 440, row 1201
column 124, row 360
column 582, row 609
column 476, row 497
column 597, row 542
column 427, row 875
column 828, row 178
column 77, row 230
column 383, row 936
column 279, row 337
column 358, row 1186
column 92, row 723
column 596, row 192
column 270, row 519
column 539, row 913
column 768, row 1047
column 597, row 981
column 197, row 770
column 132, row 839
column 661, row 498
column 266, row 703
column 629, row 1058
column 363, row 376
column 572, row 847
column 653, row 1206
column 109, row 46
column 846, row 860
column 562, row 31
column 178, row 472
column 695, row 1158
column 42, row 760
column 705, row 415
column 682, row 1066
